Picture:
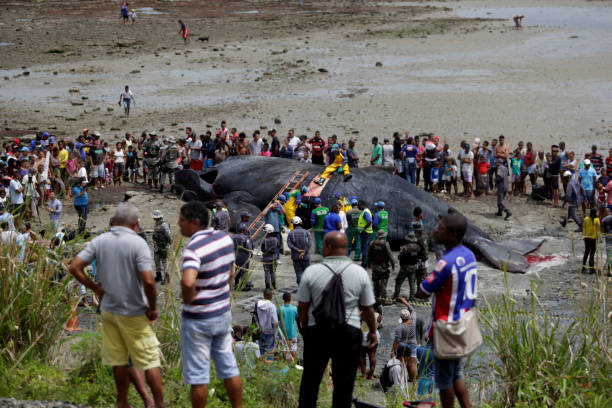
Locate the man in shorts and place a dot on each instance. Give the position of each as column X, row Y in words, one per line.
column 453, row 280
column 128, row 301
column 208, row 258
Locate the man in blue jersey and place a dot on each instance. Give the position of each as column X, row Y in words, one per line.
column 208, row 268
column 453, row 283
column 332, row 221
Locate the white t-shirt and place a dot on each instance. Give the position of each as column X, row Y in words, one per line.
column 343, row 221
column 127, row 95
column 82, row 174
column 467, row 167
column 294, row 141
column 387, row 151
column 16, row 198
column 8, row 237
column 118, row 156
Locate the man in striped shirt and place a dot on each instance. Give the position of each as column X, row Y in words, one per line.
column 208, row 268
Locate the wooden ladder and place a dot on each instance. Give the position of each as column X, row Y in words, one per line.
column 294, row 182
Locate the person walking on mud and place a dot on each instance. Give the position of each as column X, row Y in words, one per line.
column 126, row 97
column 183, row 31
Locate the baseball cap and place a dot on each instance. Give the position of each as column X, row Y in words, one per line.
column 269, row 228
column 243, row 227
column 338, row 194
column 157, row 215
column 354, row 201
column 45, row 134
column 567, row 173
column 317, row 200
column 296, row 220
column 17, row 141
column 25, row 149
column 587, row 162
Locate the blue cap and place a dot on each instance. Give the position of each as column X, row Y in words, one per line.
column 282, row 197
column 338, row 194
column 25, row 149
column 304, row 189
column 317, row 200
column 354, row 201
column 45, row 134
column 380, row 204
column 52, row 140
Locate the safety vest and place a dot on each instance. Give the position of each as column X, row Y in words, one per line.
column 383, row 220
column 319, row 216
column 361, row 224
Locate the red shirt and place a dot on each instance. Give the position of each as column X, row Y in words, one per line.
column 317, row 146
column 482, row 167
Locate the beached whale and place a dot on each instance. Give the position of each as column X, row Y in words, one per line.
column 248, row 183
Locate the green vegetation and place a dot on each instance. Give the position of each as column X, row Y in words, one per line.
column 540, row 360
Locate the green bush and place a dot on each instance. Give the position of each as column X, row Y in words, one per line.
column 33, row 307
column 539, row 360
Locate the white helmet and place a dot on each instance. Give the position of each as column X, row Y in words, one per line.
column 296, row 220
column 269, row 228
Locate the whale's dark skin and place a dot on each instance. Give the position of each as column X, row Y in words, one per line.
column 248, row 183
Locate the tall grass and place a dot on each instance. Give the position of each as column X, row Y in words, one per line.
column 34, row 304
column 541, row 360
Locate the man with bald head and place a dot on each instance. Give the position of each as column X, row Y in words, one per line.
column 128, row 301
column 342, row 343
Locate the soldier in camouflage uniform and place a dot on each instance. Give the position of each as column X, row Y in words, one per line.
column 168, row 162
column 151, row 148
column 412, row 259
column 161, row 244
column 378, row 258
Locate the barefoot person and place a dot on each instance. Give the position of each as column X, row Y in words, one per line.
column 126, row 97
column 518, row 20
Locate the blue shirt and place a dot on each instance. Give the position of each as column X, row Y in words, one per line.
column 79, row 148
column 78, row 200
column 435, row 173
column 287, row 320
column 273, row 217
column 453, row 280
column 410, row 152
column 586, row 178
column 331, row 221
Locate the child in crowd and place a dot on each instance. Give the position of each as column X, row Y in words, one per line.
column 132, row 164
column 435, row 175
column 447, row 175
column 482, row 168
column 517, row 165
column 265, row 151
column 454, row 176
column 133, row 16
column 109, row 164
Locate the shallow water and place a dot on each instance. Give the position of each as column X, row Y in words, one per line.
column 148, row 11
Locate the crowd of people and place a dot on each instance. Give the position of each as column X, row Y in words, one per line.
column 39, row 174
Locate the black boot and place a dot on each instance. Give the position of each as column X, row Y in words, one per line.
column 348, row 177
column 499, row 213
column 158, row 277
column 563, row 222
column 508, row 214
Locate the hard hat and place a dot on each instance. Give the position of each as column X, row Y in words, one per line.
column 354, row 201
column 567, row 173
column 269, row 228
column 296, row 220
column 152, row 133
column 157, row 215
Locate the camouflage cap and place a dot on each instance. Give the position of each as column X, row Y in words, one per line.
column 157, row 215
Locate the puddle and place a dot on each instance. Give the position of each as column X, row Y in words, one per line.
column 148, row 11
column 247, row 12
column 5, row 44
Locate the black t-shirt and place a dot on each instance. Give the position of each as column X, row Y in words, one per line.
column 275, row 147
column 555, row 166
column 97, row 154
column 397, row 148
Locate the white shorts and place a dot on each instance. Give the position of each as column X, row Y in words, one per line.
column 98, row 171
column 467, row 176
column 365, row 342
column 531, row 169
column 293, row 344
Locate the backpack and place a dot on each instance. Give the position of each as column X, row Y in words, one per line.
column 385, row 377
column 330, row 313
column 171, row 154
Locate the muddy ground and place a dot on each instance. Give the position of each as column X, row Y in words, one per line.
column 456, row 68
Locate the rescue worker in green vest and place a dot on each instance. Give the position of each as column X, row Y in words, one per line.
column 379, row 258
column 364, row 225
column 412, row 259
column 381, row 218
column 352, row 232
column 316, row 220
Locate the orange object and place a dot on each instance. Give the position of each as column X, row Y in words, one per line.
column 73, row 322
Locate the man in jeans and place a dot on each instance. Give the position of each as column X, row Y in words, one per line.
column 453, row 280
column 208, row 258
column 340, row 344
column 127, row 289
